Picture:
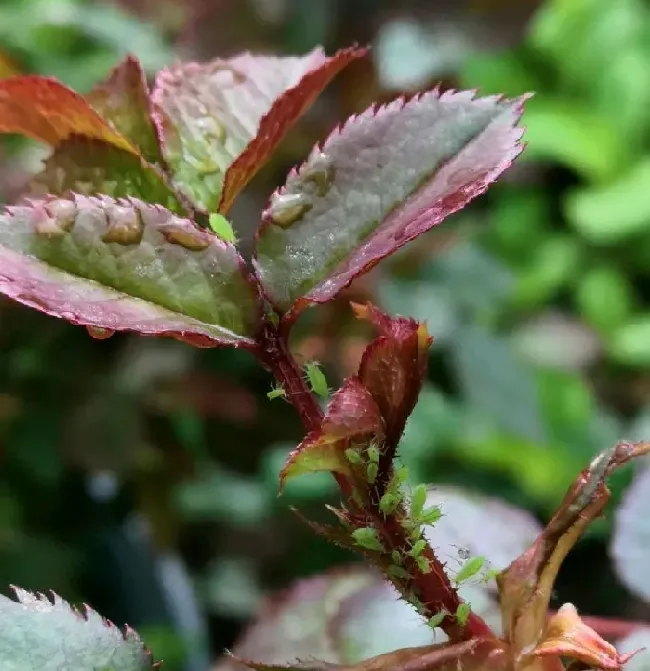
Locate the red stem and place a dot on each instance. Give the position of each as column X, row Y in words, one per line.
column 433, row 589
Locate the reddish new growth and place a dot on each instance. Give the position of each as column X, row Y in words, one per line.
column 131, row 182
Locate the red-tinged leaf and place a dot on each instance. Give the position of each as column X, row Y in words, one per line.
column 352, row 415
column 383, row 178
column 525, row 587
column 44, row 109
column 221, row 120
column 393, row 368
column 295, row 624
column 568, row 636
column 282, row 115
column 475, row 654
column 125, row 265
column 123, row 100
column 94, row 167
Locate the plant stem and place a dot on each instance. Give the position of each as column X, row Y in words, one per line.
column 434, row 589
column 280, row 361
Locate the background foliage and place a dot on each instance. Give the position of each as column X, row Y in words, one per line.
column 141, row 475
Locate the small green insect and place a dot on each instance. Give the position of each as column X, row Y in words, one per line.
column 372, row 469
column 418, row 499
column 423, row 564
column 373, row 454
column 316, row 379
column 418, row 547
column 437, row 619
column 367, row 538
column 222, row 227
column 353, row 455
column 430, row 515
column 462, row 613
column 396, row 557
column 398, row 572
column 388, row 503
column 470, row 568
column 276, row 392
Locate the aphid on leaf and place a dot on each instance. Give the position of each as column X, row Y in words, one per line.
column 389, row 502
column 316, row 379
column 276, row 392
column 222, row 227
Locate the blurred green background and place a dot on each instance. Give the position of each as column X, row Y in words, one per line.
column 141, row 476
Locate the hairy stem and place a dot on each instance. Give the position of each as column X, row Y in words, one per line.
column 280, row 361
column 433, row 589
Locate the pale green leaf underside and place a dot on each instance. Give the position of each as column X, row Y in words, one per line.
column 165, row 276
column 40, row 635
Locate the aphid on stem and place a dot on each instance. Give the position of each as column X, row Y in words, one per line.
column 277, row 391
column 316, row 379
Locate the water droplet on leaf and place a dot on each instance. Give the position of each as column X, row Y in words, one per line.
column 288, row 208
column 124, row 226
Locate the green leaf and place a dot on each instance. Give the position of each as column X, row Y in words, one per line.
column 96, row 168
column 123, row 100
column 616, row 211
column 605, row 298
column 221, row 120
column 379, row 181
column 41, row 634
column 630, row 344
column 498, row 383
column 574, row 137
column 125, row 265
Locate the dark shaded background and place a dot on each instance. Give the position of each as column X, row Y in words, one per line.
column 141, row 476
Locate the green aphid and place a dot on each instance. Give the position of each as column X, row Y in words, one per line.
column 367, row 538
column 470, row 568
column 423, row 564
column 373, row 454
column 371, row 472
column 396, row 557
column 353, row 456
column 276, row 392
column 401, row 474
column 316, row 378
column 418, row 499
column 388, row 502
column 398, row 572
column 222, row 227
column 418, row 547
column 430, row 515
column 462, row 613
column 437, row 619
